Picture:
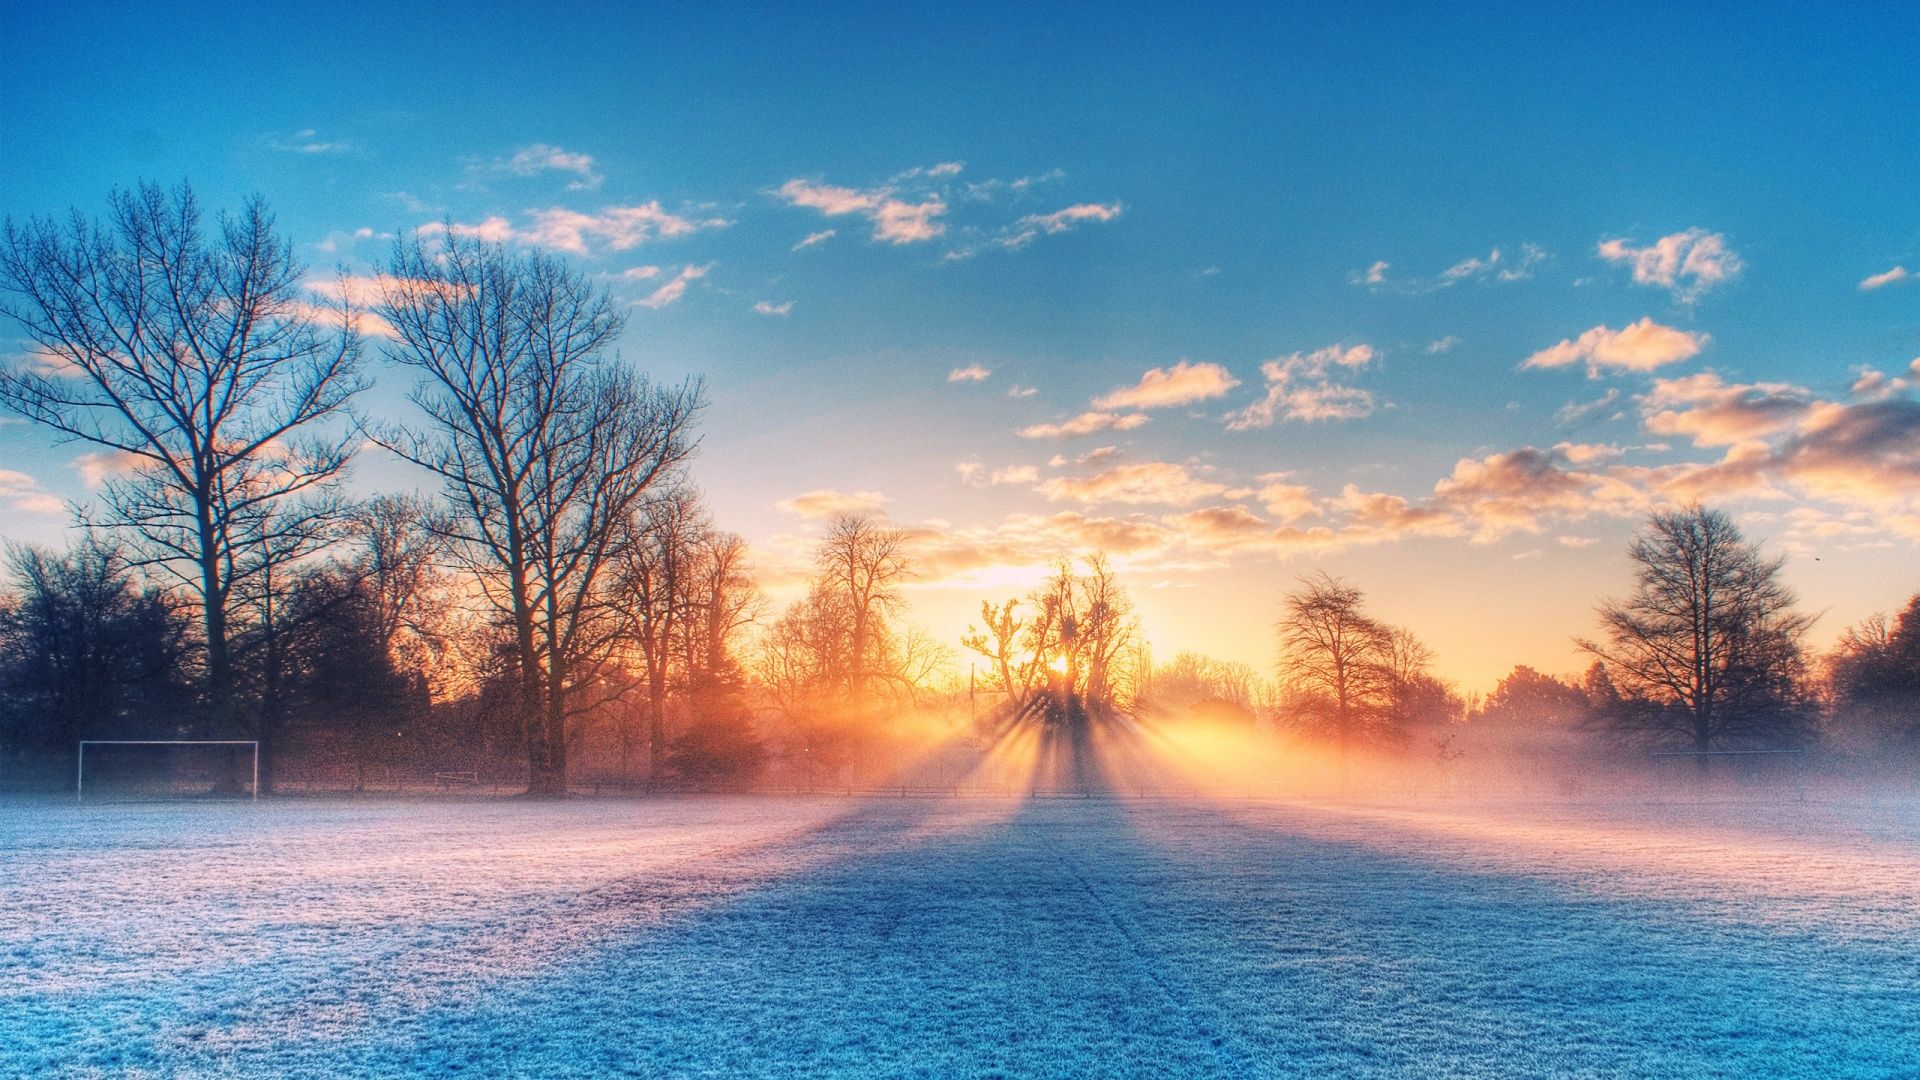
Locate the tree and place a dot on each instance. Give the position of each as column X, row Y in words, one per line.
column 87, row 651
column 196, row 365
column 1874, row 679
column 1707, row 648
column 1206, row 688
column 1066, row 662
column 1528, row 700
column 1415, row 695
column 862, row 565
column 686, row 596
column 545, row 447
column 1334, row 662
column 837, row 664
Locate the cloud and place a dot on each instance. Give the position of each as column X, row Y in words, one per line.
column 1161, row 482
column 1588, row 453
column 338, row 238
column 1027, row 229
column 970, row 373
column 1641, row 346
column 1891, row 277
column 813, row 238
column 1495, row 265
column 1022, row 391
column 1519, row 490
column 895, row 220
column 826, row 502
column 768, row 307
column 308, row 141
column 1376, row 274
column 675, row 288
column 96, row 468
column 492, row 230
column 1180, row 384
column 1288, row 502
column 1864, row 456
column 43, row 361
column 977, row 475
column 1445, row 344
column 23, row 493
column 538, row 158
column 1714, row 413
column 1300, row 387
column 1686, row 263
column 1575, row 411
column 1084, row 424
column 619, row 228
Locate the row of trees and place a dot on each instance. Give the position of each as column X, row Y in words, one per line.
column 565, row 588
column 216, row 396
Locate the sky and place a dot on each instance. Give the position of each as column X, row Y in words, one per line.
column 1442, row 303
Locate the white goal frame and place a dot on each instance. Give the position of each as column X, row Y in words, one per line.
column 80, row 766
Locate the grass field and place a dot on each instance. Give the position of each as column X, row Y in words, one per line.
column 783, row 937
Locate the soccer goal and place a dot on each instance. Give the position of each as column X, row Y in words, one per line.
column 167, row 768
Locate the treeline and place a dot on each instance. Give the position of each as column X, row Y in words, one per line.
column 564, row 608
column 1705, row 655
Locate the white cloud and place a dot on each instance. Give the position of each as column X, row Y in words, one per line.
column 24, row 494
column 308, row 141
column 96, row 468
column 1445, row 344
column 1641, row 346
column 1028, row 228
column 768, row 307
column 1022, row 391
column 827, row 502
column 339, row 238
column 675, row 288
column 1891, row 277
column 977, row 475
column 1375, row 274
column 1157, row 482
column 620, row 228
column 1180, row 384
column 1686, row 263
column 1300, row 387
column 1495, row 265
column 895, row 220
column 970, row 373
column 1086, row 423
column 540, row 157
column 813, row 238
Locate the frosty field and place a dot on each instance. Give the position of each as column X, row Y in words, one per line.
column 782, row 937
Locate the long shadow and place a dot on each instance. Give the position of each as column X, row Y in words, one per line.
column 1339, row 957
column 288, row 1006
column 1107, row 936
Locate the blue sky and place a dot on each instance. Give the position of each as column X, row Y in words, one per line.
column 1069, row 198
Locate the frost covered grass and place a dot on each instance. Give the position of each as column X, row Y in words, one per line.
column 781, row 937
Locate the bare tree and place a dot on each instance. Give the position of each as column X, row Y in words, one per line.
column 195, row 364
column 655, row 576
column 545, row 448
column 1333, row 659
column 1707, row 648
column 1874, row 680
column 863, row 564
column 1076, row 646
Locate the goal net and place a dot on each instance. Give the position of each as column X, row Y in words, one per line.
column 167, row 769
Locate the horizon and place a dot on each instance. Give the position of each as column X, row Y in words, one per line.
column 1442, row 309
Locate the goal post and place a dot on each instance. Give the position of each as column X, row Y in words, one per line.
column 80, row 762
